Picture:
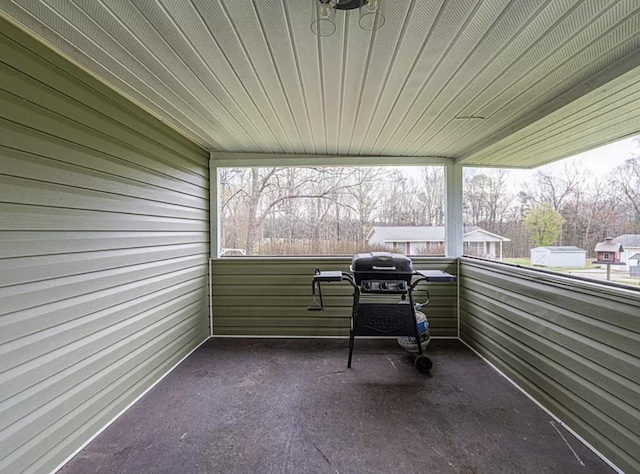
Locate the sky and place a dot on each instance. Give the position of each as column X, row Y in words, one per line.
column 615, row 153
column 598, row 162
column 602, row 159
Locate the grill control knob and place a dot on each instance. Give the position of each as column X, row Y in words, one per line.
column 366, row 285
column 401, row 286
column 383, row 285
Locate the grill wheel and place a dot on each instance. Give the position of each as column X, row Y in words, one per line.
column 423, row 364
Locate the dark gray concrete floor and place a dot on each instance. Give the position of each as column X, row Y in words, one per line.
column 292, row 406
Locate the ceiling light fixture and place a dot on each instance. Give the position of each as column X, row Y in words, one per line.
column 323, row 23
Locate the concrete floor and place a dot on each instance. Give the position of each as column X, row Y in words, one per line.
column 292, row 406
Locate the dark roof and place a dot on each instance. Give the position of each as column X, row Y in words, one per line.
column 628, row 240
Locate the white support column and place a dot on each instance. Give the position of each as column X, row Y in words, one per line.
column 214, row 224
column 453, row 226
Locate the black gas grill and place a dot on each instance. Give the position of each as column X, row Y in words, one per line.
column 379, row 276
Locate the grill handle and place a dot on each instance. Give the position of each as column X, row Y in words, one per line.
column 318, row 276
column 384, row 269
column 315, row 304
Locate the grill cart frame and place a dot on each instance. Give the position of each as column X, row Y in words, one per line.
column 381, row 274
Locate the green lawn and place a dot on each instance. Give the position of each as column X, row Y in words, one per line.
column 518, row 261
column 589, row 266
column 527, row 262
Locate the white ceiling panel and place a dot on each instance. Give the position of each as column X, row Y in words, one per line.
column 492, row 82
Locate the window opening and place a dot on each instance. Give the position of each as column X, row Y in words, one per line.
column 555, row 216
column 288, row 211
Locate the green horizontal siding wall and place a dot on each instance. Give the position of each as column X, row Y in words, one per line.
column 104, row 219
column 269, row 297
column 573, row 345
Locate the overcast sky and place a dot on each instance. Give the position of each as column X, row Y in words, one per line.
column 599, row 161
column 606, row 157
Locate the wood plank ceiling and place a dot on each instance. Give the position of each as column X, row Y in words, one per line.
column 496, row 82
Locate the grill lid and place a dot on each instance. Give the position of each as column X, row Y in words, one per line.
column 381, row 263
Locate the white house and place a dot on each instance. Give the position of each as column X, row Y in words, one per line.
column 630, row 244
column 553, row 256
column 634, row 265
column 415, row 240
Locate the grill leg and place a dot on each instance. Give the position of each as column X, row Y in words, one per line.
column 352, row 334
column 351, row 338
column 416, row 331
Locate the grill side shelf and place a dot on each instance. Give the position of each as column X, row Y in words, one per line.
column 436, row 276
column 328, row 276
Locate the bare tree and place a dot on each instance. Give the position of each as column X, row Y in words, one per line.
column 296, row 202
column 431, row 195
column 627, row 182
column 555, row 184
column 487, row 200
column 367, row 191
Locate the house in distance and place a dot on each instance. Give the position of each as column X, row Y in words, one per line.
column 631, row 244
column 429, row 240
column 634, row 265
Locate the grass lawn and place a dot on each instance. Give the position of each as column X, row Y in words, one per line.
column 518, row 261
column 617, row 278
column 629, row 281
column 527, row 262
